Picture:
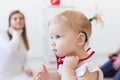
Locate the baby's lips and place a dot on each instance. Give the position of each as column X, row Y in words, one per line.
column 54, row 50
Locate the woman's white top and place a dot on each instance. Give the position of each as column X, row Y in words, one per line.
column 13, row 57
column 89, row 65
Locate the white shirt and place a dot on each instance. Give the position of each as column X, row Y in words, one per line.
column 89, row 65
column 13, row 57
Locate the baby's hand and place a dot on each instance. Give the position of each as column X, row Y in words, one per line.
column 71, row 62
column 43, row 74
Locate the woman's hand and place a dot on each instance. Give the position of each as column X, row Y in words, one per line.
column 12, row 30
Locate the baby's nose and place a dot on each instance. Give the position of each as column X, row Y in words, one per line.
column 53, row 44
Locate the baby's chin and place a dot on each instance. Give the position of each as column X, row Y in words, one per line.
column 59, row 55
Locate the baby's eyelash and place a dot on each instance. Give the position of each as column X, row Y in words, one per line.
column 58, row 36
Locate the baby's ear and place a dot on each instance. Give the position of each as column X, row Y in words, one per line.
column 80, row 39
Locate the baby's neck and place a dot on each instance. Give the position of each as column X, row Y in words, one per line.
column 82, row 54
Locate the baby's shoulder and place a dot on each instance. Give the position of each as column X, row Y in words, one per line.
column 88, row 65
column 90, row 76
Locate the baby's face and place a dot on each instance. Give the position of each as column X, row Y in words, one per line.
column 63, row 39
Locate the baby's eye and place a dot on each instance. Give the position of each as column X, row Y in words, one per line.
column 58, row 36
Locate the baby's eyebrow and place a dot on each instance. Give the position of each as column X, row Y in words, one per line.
column 51, row 37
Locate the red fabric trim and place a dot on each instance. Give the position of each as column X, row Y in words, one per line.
column 87, row 56
column 60, row 61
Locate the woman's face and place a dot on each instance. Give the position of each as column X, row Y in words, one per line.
column 17, row 21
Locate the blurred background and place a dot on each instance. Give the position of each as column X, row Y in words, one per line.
column 104, row 40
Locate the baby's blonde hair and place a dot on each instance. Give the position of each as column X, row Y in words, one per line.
column 76, row 20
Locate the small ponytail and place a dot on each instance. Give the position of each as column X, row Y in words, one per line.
column 97, row 18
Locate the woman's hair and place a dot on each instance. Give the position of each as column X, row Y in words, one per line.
column 24, row 35
column 77, row 21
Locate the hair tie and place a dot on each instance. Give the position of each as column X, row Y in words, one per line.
column 91, row 19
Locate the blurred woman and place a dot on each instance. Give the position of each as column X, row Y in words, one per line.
column 13, row 50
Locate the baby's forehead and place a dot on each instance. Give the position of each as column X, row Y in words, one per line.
column 61, row 21
column 60, row 30
column 58, row 26
column 58, row 19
